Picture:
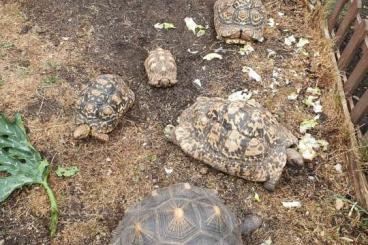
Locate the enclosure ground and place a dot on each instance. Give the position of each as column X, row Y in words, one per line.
column 50, row 50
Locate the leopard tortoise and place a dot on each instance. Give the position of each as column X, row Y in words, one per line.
column 238, row 21
column 101, row 105
column 240, row 138
column 161, row 68
column 182, row 214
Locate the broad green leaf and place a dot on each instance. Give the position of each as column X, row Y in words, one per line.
column 21, row 164
column 67, row 172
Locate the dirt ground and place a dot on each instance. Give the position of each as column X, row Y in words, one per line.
column 50, row 50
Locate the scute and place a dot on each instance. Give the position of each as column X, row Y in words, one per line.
column 238, row 21
column 236, row 137
column 186, row 216
column 103, row 102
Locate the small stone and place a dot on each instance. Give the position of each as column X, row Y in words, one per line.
column 203, row 171
column 108, row 159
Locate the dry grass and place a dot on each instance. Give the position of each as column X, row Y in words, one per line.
column 117, row 174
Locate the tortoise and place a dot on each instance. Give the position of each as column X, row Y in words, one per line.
column 101, row 105
column 182, row 214
column 240, row 138
column 239, row 21
column 161, row 68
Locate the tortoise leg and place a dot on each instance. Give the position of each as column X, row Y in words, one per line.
column 100, row 136
column 271, row 183
column 250, row 223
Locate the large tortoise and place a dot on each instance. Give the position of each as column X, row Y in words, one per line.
column 101, row 105
column 161, row 68
column 238, row 21
column 182, row 214
column 240, row 138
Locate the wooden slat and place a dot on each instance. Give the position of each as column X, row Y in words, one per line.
column 347, row 21
column 335, row 14
column 360, row 31
column 357, row 75
column 360, row 109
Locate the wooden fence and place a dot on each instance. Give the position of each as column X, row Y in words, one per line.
column 349, row 30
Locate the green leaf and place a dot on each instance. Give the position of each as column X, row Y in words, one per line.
column 22, row 164
column 256, row 197
column 67, row 171
column 165, row 26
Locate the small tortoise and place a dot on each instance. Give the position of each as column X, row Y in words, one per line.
column 237, row 137
column 182, row 214
column 238, row 21
column 161, row 68
column 101, row 104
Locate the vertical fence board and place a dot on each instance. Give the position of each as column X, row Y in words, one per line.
column 335, row 14
column 360, row 109
column 359, row 34
column 347, row 20
column 357, row 75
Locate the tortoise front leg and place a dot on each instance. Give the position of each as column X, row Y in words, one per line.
column 100, row 136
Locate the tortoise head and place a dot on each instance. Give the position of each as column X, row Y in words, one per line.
column 82, row 131
column 169, row 132
column 250, row 223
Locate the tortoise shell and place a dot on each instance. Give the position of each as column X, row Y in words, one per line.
column 178, row 214
column 103, row 102
column 240, row 138
column 238, row 21
column 161, row 68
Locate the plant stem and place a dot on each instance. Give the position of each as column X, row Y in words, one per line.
column 54, row 208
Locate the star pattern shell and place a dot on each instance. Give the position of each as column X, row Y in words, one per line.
column 161, row 68
column 103, row 102
column 178, row 214
column 237, row 137
column 238, row 21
